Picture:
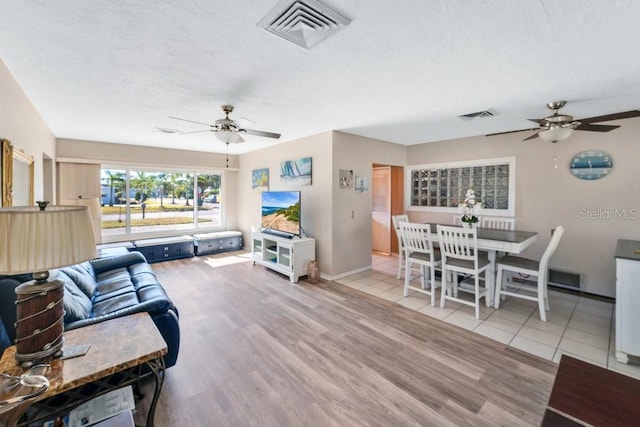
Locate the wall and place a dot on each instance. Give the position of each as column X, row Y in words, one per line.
column 23, row 126
column 547, row 196
column 315, row 199
column 352, row 236
column 153, row 157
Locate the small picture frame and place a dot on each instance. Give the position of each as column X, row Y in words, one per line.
column 345, row 178
column 362, row 183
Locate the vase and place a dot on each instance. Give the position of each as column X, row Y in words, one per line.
column 313, row 272
column 470, row 225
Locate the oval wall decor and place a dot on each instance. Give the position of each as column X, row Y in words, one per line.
column 591, row 164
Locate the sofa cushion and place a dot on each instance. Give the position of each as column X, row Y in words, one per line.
column 77, row 306
column 82, row 276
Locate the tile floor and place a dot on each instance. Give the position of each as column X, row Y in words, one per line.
column 578, row 326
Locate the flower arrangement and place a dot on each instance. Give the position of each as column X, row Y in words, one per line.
column 470, row 208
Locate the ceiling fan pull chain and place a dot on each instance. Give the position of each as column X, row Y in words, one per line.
column 555, row 158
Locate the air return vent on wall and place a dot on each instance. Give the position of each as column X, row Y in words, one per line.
column 304, row 23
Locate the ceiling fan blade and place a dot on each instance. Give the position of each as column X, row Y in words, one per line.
column 511, row 131
column 195, row 131
column 260, row 133
column 538, row 121
column 166, row 130
column 597, row 128
column 534, row 136
column 609, row 117
column 190, row 121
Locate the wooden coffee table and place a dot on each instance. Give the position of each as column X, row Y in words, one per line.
column 122, row 352
column 585, row 394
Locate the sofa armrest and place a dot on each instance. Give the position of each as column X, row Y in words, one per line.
column 153, row 307
column 100, row 265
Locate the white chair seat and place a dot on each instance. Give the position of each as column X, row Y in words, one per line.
column 426, row 257
column 463, row 264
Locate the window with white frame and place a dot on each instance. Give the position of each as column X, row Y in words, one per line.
column 136, row 200
column 441, row 187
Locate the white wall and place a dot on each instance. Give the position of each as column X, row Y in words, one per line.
column 23, row 126
column 547, row 196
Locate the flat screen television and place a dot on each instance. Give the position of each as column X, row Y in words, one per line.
column 281, row 213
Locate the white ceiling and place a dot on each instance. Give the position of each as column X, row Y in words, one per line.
column 402, row 71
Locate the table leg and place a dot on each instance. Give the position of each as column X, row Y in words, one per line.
column 158, row 369
column 490, row 278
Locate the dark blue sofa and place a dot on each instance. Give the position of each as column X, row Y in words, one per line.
column 103, row 289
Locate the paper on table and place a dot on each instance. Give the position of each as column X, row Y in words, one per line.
column 102, row 407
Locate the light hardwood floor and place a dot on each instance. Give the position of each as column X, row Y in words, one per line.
column 257, row 350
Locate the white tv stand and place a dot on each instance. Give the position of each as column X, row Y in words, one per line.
column 287, row 256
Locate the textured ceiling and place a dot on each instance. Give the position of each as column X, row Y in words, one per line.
column 401, row 71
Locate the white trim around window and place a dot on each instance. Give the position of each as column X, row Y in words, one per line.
column 439, row 187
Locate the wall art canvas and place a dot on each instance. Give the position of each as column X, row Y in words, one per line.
column 296, row 172
column 260, row 179
column 345, row 178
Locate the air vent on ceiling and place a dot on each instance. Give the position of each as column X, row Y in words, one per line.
column 304, row 23
column 478, row 115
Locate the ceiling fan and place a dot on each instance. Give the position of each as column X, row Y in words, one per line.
column 227, row 130
column 558, row 127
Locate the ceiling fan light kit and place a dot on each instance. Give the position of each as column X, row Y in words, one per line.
column 555, row 133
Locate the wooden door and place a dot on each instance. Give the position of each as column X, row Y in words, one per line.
column 381, row 209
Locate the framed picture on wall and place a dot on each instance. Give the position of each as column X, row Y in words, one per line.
column 260, row 179
column 345, row 178
column 362, row 183
column 296, row 172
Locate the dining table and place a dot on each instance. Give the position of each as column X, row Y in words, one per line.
column 493, row 241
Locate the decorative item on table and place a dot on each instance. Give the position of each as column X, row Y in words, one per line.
column 36, row 240
column 470, row 209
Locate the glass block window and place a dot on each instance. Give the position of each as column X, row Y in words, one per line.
column 441, row 187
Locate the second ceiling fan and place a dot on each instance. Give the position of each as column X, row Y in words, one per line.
column 558, row 127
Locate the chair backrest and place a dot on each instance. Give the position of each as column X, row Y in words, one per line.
column 551, row 248
column 459, row 243
column 416, row 238
column 499, row 223
column 397, row 219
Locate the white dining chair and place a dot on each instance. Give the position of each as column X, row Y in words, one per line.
column 459, row 251
column 456, row 220
column 528, row 268
column 498, row 223
column 397, row 219
column 419, row 252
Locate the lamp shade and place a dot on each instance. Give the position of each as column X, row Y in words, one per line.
column 35, row 240
column 556, row 133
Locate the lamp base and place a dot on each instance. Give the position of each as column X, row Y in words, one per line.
column 40, row 321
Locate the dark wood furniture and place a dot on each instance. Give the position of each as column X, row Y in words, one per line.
column 585, row 394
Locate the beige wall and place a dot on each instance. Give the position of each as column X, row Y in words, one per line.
column 315, row 198
column 547, row 196
column 23, row 126
column 343, row 243
column 123, row 154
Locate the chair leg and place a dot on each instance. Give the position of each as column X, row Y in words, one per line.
column 432, row 284
column 477, row 296
column 423, row 271
column 541, row 305
column 407, row 277
column 498, row 288
column 443, row 288
column 400, row 261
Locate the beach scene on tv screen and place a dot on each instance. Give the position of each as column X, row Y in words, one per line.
column 281, row 211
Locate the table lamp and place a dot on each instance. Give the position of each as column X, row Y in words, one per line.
column 36, row 240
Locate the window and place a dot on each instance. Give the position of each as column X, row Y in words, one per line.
column 441, row 187
column 150, row 201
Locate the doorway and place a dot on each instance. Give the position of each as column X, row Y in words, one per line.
column 387, row 190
